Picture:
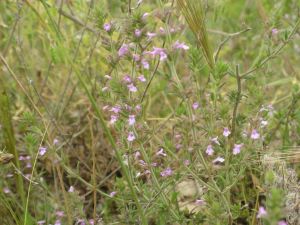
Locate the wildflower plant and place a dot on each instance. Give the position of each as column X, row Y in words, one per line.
column 149, row 112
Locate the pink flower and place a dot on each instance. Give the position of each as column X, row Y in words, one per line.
column 215, row 140
column 150, row 35
column 116, row 109
column 22, row 158
column 112, row 194
column 218, row 160
column 107, row 27
column 226, row 132
column 142, row 78
column 42, row 151
column 282, row 222
column 261, row 212
column 137, row 155
column 178, row 45
column 161, row 152
column 136, row 57
column 6, row 190
column 209, row 150
column 275, row 31
column 71, row 189
column 41, row 222
column 113, row 119
column 60, row 214
column 142, row 163
column 55, row 141
column 159, row 52
column 167, row 172
column 123, row 50
column 186, row 162
column 131, row 136
column 145, row 64
column 137, row 32
column 127, row 78
column 131, row 120
column 138, row 108
column 162, row 30
column 132, row 88
column 195, row 105
column 57, row 222
column 237, row 148
column 145, row 15
column 254, row 134
column 200, row 202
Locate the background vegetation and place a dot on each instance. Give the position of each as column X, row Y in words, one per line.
column 149, row 112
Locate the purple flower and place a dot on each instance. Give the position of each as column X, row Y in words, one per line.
column 137, row 32
column 60, row 214
column 142, row 163
column 158, row 52
column 145, row 15
column 161, row 152
column 132, row 88
column 71, row 189
column 282, row 222
column 145, row 64
column 254, row 134
column 237, row 148
column 137, row 155
column 42, row 151
column 209, row 150
column 167, row 172
column 127, row 78
column 112, row 194
column 138, row 108
column 55, row 141
column 275, row 31
column 131, row 136
column 261, row 212
column 200, row 202
column 123, row 50
column 113, row 119
column 131, row 120
column 162, row 30
column 186, row 162
column 154, row 164
column 150, row 35
column 142, row 78
column 226, row 132
column 107, row 27
column 136, row 57
column 6, row 190
column 116, row 109
column 22, row 158
column 41, row 222
column 195, row 105
column 57, row 222
column 178, row 45
column 218, row 160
